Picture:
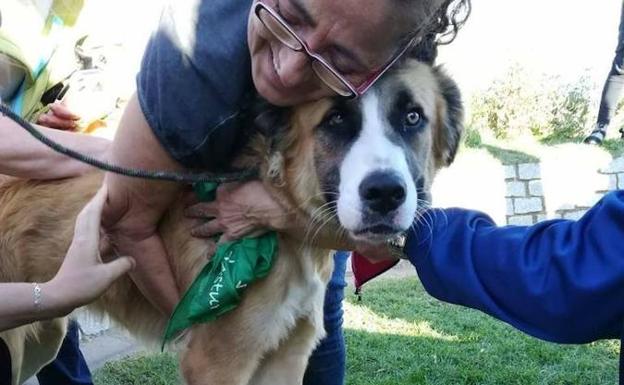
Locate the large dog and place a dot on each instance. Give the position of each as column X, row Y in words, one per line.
column 363, row 167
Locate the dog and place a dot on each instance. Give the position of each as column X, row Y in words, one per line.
column 361, row 167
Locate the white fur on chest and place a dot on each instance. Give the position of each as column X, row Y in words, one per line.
column 302, row 297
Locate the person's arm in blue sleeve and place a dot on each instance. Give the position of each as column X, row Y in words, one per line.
column 558, row 280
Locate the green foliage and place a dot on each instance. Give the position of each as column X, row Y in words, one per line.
column 543, row 106
column 472, row 138
column 571, row 113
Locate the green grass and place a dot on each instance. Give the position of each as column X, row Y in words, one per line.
column 400, row 335
column 156, row 369
column 507, row 152
column 528, row 151
column 614, row 146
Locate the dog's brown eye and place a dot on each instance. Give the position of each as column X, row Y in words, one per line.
column 335, row 119
column 412, row 118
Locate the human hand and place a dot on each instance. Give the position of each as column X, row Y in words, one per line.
column 239, row 209
column 83, row 277
column 59, row 117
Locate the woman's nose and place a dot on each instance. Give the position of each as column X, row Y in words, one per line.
column 294, row 67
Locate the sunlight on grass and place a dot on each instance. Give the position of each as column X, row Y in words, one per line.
column 484, row 352
column 361, row 318
column 398, row 334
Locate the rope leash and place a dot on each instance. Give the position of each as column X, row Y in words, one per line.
column 130, row 172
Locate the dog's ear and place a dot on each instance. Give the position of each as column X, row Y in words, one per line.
column 450, row 119
column 426, row 51
column 269, row 120
column 272, row 123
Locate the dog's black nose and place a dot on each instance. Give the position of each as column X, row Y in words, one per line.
column 382, row 192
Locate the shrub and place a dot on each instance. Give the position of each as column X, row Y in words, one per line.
column 472, row 138
column 543, row 105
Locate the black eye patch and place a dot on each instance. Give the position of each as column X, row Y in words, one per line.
column 342, row 122
column 406, row 117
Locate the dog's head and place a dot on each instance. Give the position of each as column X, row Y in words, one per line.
column 369, row 161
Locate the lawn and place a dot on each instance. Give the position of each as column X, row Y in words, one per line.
column 398, row 334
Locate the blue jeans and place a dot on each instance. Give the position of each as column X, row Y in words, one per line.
column 69, row 367
column 327, row 364
column 5, row 363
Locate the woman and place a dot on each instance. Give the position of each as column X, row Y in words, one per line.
column 611, row 91
column 80, row 280
column 559, row 280
column 201, row 67
column 22, row 156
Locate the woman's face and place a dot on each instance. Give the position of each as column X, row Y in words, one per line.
column 355, row 36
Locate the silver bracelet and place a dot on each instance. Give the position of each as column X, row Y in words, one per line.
column 37, row 296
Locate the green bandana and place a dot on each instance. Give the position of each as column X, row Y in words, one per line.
column 219, row 286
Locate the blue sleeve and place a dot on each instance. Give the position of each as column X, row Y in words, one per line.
column 559, row 280
column 195, row 80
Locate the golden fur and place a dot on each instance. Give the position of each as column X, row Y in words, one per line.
column 267, row 339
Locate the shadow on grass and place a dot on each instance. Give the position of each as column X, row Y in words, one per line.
column 481, row 350
column 507, row 156
column 504, row 155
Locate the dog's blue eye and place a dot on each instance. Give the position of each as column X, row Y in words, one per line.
column 412, row 118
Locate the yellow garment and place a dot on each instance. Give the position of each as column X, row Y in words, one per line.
column 33, row 346
column 67, row 10
column 30, row 35
column 30, row 38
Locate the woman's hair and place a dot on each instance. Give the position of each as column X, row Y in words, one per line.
column 448, row 19
column 441, row 27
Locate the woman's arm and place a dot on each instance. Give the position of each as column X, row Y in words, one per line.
column 18, row 306
column 80, row 280
column 23, row 156
column 559, row 280
column 135, row 207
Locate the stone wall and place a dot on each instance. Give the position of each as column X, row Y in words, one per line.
column 563, row 182
column 526, row 201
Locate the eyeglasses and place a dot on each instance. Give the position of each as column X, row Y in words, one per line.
column 275, row 24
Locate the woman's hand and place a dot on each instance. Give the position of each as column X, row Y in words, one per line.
column 239, row 209
column 83, row 277
column 59, row 117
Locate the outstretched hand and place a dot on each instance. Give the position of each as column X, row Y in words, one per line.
column 83, row 277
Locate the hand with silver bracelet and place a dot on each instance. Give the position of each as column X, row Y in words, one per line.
column 80, row 280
